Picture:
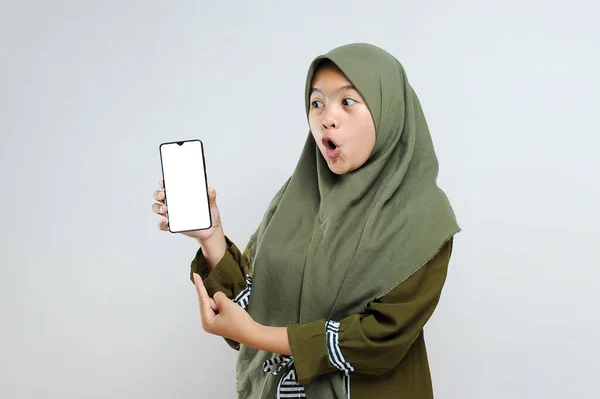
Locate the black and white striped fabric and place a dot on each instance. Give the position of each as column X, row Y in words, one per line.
column 336, row 357
column 288, row 384
column 243, row 298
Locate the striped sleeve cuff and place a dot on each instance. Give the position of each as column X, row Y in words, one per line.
column 336, row 358
column 243, row 297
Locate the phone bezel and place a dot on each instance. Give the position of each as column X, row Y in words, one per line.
column 180, row 143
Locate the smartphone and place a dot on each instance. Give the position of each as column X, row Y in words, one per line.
column 186, row 187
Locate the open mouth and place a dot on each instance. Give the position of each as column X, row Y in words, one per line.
column 328, row 143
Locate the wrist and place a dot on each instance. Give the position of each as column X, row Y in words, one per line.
column 265, row 338
column 252, row 334
column 214, row 247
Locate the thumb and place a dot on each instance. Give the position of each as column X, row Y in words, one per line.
column 221, row 300
column 213, row 305
column 212, row 196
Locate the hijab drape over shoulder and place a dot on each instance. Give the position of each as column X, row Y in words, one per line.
column 330, row 244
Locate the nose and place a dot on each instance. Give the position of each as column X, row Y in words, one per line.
column 329, row 122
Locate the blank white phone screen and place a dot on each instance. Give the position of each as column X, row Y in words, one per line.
column 185, row 186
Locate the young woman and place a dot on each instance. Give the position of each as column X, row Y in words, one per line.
column 333, row 290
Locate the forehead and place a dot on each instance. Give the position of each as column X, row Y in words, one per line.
column 329, row 75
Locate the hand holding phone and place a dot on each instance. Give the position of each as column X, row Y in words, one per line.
column 160, row 208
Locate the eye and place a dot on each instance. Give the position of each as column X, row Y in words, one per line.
column 316, row 104
column 348, row 101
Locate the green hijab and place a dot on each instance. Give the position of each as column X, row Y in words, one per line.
column 329, row 244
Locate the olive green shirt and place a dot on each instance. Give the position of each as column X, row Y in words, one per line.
column 384, row 343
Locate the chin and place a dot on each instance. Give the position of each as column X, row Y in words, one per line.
column 339, row 169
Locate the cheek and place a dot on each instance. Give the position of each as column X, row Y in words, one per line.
column 314, row 129
column 371, row 139
column 366, row 148
column 367, row 137
column 313, row 123
column 314, row 134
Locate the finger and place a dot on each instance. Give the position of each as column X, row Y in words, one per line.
column 159, row 208
column 212, row 196
column 161, row 184
column 221, row 300
column 159, row 196
column 202, row 293
column 213, row 305
column 163, row 225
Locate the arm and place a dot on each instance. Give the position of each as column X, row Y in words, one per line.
column 229, row 272
column 229, row 275
column 361, row 342
column 214, row 247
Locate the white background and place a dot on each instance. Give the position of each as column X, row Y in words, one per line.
column 95, row 302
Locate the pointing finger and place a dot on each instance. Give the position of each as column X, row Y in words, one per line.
column 202, row 294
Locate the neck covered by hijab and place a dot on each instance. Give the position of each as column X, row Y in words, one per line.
column 329, row 244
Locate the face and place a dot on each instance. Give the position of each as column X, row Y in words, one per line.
column 340, row 121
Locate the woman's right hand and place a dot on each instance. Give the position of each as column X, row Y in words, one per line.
column 160, row 208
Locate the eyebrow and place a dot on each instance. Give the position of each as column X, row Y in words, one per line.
column 338, row 90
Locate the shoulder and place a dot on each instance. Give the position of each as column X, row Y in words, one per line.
column 427, row 281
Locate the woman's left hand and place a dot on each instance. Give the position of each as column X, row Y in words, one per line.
column 223, row 317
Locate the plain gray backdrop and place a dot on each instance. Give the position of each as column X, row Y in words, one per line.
column 95, row 302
